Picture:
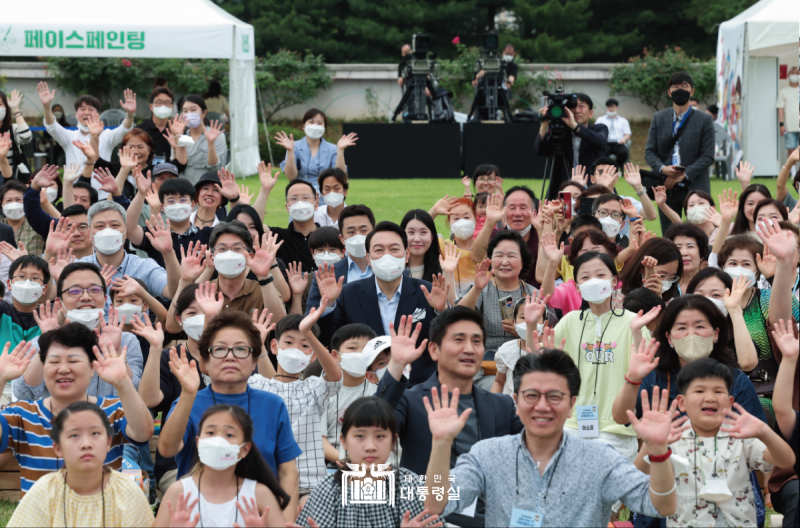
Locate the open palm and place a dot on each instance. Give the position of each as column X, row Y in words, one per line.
column 185, row 371
column 109, row 366
column 404, row 341
column 642, row 362
column 656, row 423
column 443, row 418
column 14, row 365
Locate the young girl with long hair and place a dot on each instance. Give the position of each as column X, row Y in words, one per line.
column 369, row 435
column 230, row 484
column 84, row 492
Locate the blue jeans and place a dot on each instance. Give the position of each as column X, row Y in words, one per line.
column 791, row 140
column 140, row 456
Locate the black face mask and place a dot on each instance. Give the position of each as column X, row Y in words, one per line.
column 680, row 97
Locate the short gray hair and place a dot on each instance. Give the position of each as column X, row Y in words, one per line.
column 106, row 205
column 234, row 227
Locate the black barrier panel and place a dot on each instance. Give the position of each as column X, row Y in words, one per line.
column 509, row 146
column 404, row 150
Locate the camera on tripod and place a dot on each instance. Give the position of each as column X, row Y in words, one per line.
column 557, row 104
column 488, row 60
column 419, row 74
column 491, row 101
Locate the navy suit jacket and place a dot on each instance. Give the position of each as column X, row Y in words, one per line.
column 358, row 303
column 340, row 270
column 496, row 415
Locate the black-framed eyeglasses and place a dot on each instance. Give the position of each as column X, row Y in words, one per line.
column 553, row 397
column 221, row 352
column 77, row 291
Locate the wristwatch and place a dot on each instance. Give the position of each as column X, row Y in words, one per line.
column 234, row 200
column 642, row 192
column 264, row 282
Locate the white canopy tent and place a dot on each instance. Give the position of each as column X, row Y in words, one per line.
column 195, row 29
column 750, row 48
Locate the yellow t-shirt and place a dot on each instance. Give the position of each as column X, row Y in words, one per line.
column 465, row 271
column 43, row 505
column 567, row 270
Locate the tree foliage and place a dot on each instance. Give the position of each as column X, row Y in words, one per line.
column 288, row 78
column 647, row 77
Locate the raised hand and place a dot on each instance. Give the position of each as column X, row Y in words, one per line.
column 677, row 428
column 86, row 149
column 11, row 252
column 261, row 260
column 185, row 371
column 245, row 197
column 628, row 208
column 313, row 316
column 109, row 366
column 60, row 261
column 71, row 172
column 579, row 175
column 126, row 286
column 177, row 126
column 443, row 205
column 643, row 319
column 45, row 95
column 265, row 176
column 644, row 361
column 108, row 272
column 608, row 177
column 728, row 204
column 633, row 176
column 153, row 200
column 466, row 182
column 733, row 297
column 209, row 303
column 494, row 209
column 5, row 144
column 14, row 100
column 740, row 424
column 285, row 141
column 249, row 513
column 483, row 274
column 192, row 265
column 744, row 173
column 660, row 194
column 107, row 182
column 443, row 418
column 45, row 177
column 110, row 334
column 437, row 297
column 535, row 307
column 326, row 281
column 347, row 141
column 14, row 364
column 159, row 235
column 143, row 182
column 449, row 261
column 297, row 279
column 550, row 247
column 144, row 328
column 212, row 132
column 419, row 521
column 262, row 322
column 781, row 243
column 794, row 214
column 126, row 158
column 94, row 125
column 228, row 189
column 130, row 102
column 46, row 316
column 787, row 342
column 404, row 342
column 656, row 423
column 181, row 516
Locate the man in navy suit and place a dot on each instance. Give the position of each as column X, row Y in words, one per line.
column 383, row 299
column 585, row 145
column 355, row 223
column 457, row 338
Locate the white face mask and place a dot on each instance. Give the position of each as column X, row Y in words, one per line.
column 162, row 112
column 301, row 211
column 715, row 490
column 596, row 290
column 217, row 453
column 794, row 78
column 83, row 128
column 463, row 229
column 334, row 199
column 388, row 268
column 2, row 112
column 719, row 304
column 356, row 246
column 127, row 311
column 611, row 114
column 314, row 131
column 26, row 292
column 193, row 326
column 380, row 372
column 353, row 364
column 693, row 347
column 766, row 221
column 185, row 141
column 88, row 317
column 108, row 241
column 13, row 211
column 697, row 214
column 665, row 285
column 52, row 194
column 508, row 58
column 230, row 264
column 522, row 330
column 610, row 226
column 737, row 271
column 326, row 257
column 522, row 232
column 178, row 212
column 293, row 360
column 193, row 120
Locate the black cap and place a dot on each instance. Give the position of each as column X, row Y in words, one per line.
column 161, row 168
column 212, row 177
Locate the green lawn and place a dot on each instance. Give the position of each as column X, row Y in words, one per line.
column 392, row 199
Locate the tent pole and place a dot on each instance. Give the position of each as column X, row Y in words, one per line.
column 264, row 119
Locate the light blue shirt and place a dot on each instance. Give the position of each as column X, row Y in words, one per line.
column 308, row 167
column 354, row 272
column 146, row 270
column 387, row 306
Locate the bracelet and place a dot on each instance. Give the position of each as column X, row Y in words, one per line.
column 655, row 459
column 642, row 192
column 632, row 383
column 274, row 266
column 265, row 354
column 266, row 281
column 780, row 124
column 234, row 200
column 90, row 164
column 17, row 114
column 654, row 492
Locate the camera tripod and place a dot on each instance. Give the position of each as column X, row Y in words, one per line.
column 494, row 97
column 415, row 98
column 549, row 168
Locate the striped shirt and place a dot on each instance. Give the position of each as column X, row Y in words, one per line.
column 26, row 429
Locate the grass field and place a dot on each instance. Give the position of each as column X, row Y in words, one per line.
column 392, row 199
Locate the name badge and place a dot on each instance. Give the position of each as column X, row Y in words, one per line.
column 525, row 518
column 588, row 422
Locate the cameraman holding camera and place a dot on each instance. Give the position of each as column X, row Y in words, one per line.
column 586, row 144
column 509, row 67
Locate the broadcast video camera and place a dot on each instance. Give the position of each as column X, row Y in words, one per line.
column 557, row 103
column 490, row 99
column 419, row 74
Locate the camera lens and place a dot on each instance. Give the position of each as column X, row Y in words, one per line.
column 556, row 111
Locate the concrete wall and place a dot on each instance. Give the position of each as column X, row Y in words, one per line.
column 347, row 98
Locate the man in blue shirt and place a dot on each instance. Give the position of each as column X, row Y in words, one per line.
column 229, row 348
